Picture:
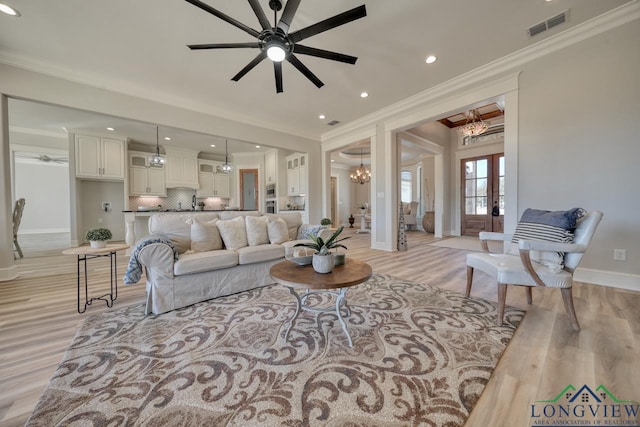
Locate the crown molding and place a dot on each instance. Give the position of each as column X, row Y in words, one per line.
column 28, row 131
column 150, row 94
column 597, row 25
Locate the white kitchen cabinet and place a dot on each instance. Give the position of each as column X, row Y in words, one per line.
column 297, row 175
column 181, row 168
column 144, row 179
column 213, row 182
column 100, row 158
column 271, row 166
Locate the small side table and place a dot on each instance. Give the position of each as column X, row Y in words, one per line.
column 84, row 253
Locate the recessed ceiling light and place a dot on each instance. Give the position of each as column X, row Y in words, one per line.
column 431, row 59
column 213, row 146
column 167, row 138
column 332, row 160
column 322, row 117
column 5, row 8
column 364, row 95
column 111, row 129
column 257, row 146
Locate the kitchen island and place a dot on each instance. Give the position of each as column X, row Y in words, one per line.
column 137, row 223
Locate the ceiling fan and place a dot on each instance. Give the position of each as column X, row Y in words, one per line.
column 43, row 158
column 276, row 43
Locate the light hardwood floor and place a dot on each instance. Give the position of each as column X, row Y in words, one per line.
column 38, row 319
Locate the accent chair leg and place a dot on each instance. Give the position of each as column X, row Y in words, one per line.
column 529, row 295
column 567, row 297
column 502, row 297
column 469, row 280
column 17, row 245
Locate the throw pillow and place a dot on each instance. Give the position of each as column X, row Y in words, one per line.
column 277, row 231
column 233, row 233
column 548, row 226
column 257, row 230
column 307, row 230
column 205, row 236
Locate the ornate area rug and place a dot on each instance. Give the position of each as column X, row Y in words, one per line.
column 421, row 356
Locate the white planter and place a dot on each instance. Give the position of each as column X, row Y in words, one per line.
column 98, row 244
column 323, row 263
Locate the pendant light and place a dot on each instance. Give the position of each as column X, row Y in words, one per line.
column 362, row 175
column 157, row 160
column 226, row 167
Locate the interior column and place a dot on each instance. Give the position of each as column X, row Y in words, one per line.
column 8, row 269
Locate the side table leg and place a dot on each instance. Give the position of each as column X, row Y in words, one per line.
column 85, row 283
column 295, row 315
column 342, row 299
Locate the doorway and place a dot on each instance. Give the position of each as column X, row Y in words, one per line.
column 482, row 190
column 248, row 189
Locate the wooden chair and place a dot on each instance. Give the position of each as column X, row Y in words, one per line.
column 519, row 270
column 17, row 217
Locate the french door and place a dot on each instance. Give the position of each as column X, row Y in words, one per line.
column 482, row 194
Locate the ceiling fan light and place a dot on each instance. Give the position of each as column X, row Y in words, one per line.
column 276, row 53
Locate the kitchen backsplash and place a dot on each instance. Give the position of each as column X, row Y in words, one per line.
column 174, row 197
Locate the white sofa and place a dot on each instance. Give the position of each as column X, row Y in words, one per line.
column 199, row 276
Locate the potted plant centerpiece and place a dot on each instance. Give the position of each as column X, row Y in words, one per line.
column 325, row 221
column 323, row 259
column 98, row 237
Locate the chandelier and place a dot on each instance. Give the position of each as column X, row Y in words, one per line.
column 227, row 166
column 474, row 125
column 362, row 174
column 157, row 160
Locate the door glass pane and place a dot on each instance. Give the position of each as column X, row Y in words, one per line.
column 481, row 187
column 501, row 166
column 482, row 168
column 501, row 204
column 470, row 206
column 481, row 205
column 470, row 188
column 470, row 170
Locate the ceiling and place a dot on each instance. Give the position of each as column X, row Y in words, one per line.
column 139, row 48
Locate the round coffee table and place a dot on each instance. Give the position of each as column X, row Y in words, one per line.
column 336, row 283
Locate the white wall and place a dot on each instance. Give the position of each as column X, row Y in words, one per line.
column 579, row 139
column 45, row 188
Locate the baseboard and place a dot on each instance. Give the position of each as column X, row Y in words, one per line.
column 8, row 273
column 608, row 278
column 43, row 231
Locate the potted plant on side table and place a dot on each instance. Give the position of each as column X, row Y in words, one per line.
column 323, row 261
column 98, row 237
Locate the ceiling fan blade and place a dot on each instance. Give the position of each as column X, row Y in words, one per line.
column 326, row 54
column 249, row 66
column 257, row 9
column 223, row 45
column 287, row 15
column 304, row 70
column 224, row 17
column 327, row 24
column 277, row 68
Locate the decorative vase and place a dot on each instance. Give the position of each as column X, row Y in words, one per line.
column 428, row 221
column 323, row 263
column 98, row 244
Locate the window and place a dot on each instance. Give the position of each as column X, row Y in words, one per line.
column 405, row 187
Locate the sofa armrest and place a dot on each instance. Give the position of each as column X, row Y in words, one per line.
column 158, row 256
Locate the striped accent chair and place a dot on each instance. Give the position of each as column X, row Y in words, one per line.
column 545, row 250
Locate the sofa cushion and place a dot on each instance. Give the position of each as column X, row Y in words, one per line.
column 233, row 233
column 205, row 236
column 277, row 231
column 197, row 262
column 306, row 230
column 293, row 221
column 257, row 230
column 260, row 253
column 177, row 227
